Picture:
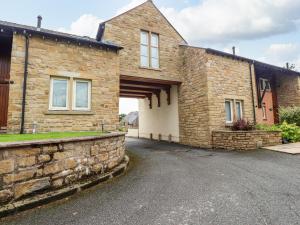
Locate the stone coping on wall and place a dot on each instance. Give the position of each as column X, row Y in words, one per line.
column 38, row 167
column 245, row 140
column 7, row 145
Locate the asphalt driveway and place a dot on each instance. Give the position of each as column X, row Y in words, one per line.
column 169, row 184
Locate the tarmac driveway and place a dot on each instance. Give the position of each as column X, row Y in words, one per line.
column 170, row 184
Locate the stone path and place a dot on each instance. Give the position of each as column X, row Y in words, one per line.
column 289, row 148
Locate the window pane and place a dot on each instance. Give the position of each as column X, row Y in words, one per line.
column 238, row 110
column 59, row 95
column 228, row 111
column 154, row 52
column 144, row 50
column 144, row 38
column 82, row 94
column 154, row 40
column 154, row 63
column 144, row 61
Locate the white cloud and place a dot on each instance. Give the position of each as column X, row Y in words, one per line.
column 215, row 21
column 281, row 53
column 129, row 6
column 85, row 25
column 128, row 105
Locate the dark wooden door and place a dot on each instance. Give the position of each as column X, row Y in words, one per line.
column 4, row 86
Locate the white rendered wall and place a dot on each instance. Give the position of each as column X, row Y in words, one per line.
column 162, row 120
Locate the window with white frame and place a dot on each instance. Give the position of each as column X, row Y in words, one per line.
column 154, row 51
column 59, row 94
column 145, row 49
column 239, row 110
column 229, row 111
column 149, row 53
column 264, row 111
column 264, row 84
column 81, row 95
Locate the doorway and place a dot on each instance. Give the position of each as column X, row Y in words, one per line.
column 5, row 59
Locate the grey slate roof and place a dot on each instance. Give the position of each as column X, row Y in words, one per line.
column 14, row 27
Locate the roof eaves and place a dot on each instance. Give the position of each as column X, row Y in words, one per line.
column 23, row 29
column 255, row 62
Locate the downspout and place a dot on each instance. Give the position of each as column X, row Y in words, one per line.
column 24, row 83
column 252, row 92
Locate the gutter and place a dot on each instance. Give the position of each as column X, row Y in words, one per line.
column 252, row 92
column 25, row 83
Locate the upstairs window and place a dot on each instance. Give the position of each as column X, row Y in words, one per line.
column 149, row 55
column 264, row 84
column 154, row 51
column 145, row 49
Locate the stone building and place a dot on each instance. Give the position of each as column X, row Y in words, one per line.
column 185, row 92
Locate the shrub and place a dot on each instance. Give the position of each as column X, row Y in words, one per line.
column 242, row 125
column 290, row 114
column 290, row 132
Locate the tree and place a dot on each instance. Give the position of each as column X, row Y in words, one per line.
column 122, row 116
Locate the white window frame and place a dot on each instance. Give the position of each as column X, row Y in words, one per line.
column 149, row 47
column 145, row 45
column 157, row 48
column 241, row 108
column 231, row 109
column 264, row 81
column 89, row 95
column 51, row 107
column 264, row 112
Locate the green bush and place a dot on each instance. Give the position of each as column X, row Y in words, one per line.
column 290, row 114
column 290, row 132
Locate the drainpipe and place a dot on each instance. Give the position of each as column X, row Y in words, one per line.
column 252, row 92
column 24, row 83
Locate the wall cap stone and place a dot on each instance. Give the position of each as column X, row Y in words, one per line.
column 7, row 145
column 241, row 131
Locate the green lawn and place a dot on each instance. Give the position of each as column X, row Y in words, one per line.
column 43, row 136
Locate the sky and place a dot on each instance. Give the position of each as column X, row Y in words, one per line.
column 265, row 30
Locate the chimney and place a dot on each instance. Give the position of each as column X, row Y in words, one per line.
column 287, row 65
column 233, row 50
column 39, row 22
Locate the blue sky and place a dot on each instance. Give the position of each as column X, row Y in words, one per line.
column 267, row 30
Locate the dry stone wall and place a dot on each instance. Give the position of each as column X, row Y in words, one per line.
column 28, row 168
column 245, row 140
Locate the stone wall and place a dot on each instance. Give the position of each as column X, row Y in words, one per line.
column 288, row 90
column 50, row 58
column 228, row 79
column 125, row 30
column 30, row 167
column 245, row 140
column 193, row 99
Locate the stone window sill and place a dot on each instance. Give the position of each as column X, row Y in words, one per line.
column 149, row 68
column 69, row 113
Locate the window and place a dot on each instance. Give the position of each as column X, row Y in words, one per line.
column 81, row 95
column 59, row 94
column 264, row 84
column 154, row 51
column 239, row 110
column 264, row 111
column 149, row 50
column 144, row 49
column 229, row 111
